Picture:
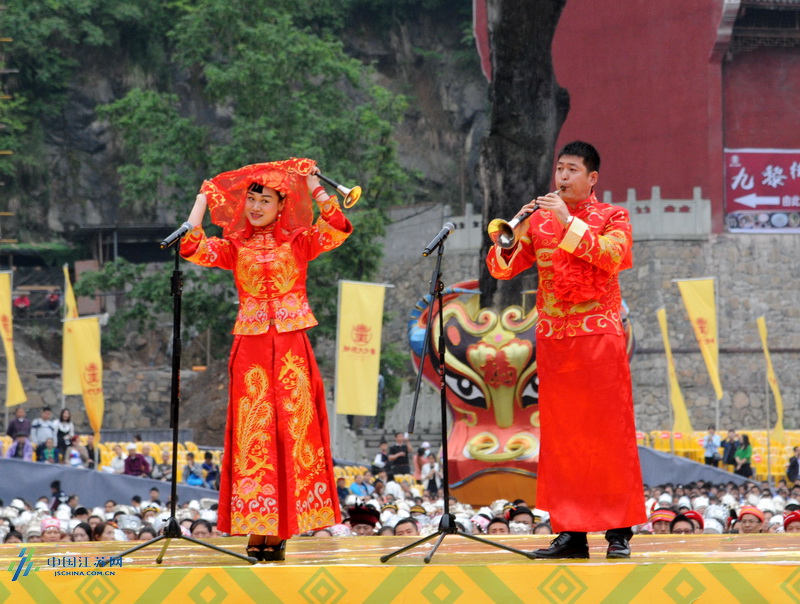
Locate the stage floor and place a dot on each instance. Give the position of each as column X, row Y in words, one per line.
column 668, row 568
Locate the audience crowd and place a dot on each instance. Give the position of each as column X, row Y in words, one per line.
column 54, row 441
column 399, row 495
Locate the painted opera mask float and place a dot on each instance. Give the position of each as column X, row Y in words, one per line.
column 492, row 392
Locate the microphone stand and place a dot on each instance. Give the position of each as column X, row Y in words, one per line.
column 172, row 530
column 447, row 524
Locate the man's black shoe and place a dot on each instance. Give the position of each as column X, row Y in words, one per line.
column 618, row 547
column 566, row 545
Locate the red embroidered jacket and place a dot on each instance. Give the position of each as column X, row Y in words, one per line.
column 271, row 278
column 578, row 268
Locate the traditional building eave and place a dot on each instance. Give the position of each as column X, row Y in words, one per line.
column 771, row 3
column 730, row 10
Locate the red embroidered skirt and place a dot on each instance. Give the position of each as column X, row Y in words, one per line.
column 277, row 470
column 589, row 474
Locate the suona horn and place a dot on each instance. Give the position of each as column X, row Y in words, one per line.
column 351, row 196
column 506, row 234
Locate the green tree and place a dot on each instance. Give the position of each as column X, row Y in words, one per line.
column 281, row 88
column 54, row 38
column 165, row 152
column 14, row 120
column 145, row 301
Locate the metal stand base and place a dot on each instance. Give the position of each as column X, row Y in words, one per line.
column 447, row 526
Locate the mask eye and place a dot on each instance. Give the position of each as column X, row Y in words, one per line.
column 466, row 390
column 530, row 395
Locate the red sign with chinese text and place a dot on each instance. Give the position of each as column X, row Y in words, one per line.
column 762, row 189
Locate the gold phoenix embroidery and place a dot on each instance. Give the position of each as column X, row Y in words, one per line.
column 299, row 404
column 255, row 415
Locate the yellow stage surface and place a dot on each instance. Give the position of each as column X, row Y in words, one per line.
column 668, row 568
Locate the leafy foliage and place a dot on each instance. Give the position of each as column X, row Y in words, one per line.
column 287, row 91
column 290, row 92
column 165, row 151
column 145, row 300
column 208, row 301
column 51, row 37
column 221, row 83
column 15, row 122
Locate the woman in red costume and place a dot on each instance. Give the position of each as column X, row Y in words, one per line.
column 277, row 471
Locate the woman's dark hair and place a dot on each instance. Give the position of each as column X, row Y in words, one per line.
column 201, row 522
column 87, row 528
column 257, row 188
column 147, row 530
column 16, row 534
column 97, row 531
column 745, row 441
column 61, row 415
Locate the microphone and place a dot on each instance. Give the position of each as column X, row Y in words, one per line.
column 176, row 234
column 448, row 228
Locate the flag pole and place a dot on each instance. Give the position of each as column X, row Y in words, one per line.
column 11, row 293
column 336, row 370
column 63, row 318
column 716, row 310
column 769, row 436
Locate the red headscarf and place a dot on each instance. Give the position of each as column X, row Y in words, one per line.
column 227, row 194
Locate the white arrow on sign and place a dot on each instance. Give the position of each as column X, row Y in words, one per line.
column 753, row 200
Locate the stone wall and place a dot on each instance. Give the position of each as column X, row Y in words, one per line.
column 136, row 399
column 756, row 275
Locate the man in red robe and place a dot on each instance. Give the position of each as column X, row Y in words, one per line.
column 588, row 436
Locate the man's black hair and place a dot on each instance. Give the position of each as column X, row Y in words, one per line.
column 587, row 152
column 406, row 521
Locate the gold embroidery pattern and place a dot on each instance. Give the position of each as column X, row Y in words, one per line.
column 256, row 415
column 283, row 277
column 596, row 259
column 261, row 519
column 249, row 273
column 254, row 509
column 329, row 237
column 199, row 250
column 328, row 207
column 316, row 511
column 298, row 403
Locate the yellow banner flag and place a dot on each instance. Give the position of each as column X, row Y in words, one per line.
column 682, row 423
column 777, row 434
column 15, row 395
column 85, row 337
column 698, row 296
column 70, row 305
column 358, row 347
column 70, row 377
